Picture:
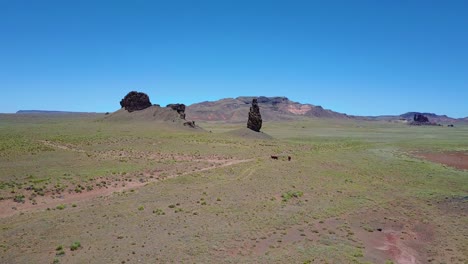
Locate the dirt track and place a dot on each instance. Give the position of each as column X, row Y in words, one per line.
column 9, row 207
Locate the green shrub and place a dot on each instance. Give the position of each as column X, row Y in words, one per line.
column 19, row 198
column 158, row 212
column 291, row 194
column 61, row 206
column 76, row 245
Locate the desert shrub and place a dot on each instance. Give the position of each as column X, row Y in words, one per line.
column 60, row 251
column 158, row 212
column 358, row 254
column 75, row 246
column 61, row 206
column 291, row 194
column 19, row 198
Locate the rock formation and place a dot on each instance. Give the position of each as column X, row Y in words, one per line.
column 135, row 101
column 180, row 108
column 255, row 119
column 273, row 109
column 420, row 118
column 190, row 124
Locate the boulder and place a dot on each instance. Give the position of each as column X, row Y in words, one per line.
column 255, row 119
column 135, row 101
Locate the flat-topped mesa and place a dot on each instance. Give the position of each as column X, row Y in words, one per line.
column 255, row 119
column 180, row 108
column 135, row 101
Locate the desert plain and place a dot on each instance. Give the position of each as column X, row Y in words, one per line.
column 82, row 189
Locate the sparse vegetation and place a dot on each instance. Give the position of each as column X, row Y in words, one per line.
column 345, row 176
column 19, row 198
column 291, row 194
column 158, row 212
column 75, row 246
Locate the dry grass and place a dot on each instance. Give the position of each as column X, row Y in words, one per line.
column 354, row 179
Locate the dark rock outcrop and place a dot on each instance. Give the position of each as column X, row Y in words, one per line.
column 255, row 119
column 180, row 108
column 190, row 124
column 135, row 101
column 420, row 118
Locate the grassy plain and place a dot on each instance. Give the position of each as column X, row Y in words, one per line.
column 91, row 191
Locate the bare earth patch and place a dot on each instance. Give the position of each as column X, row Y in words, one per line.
column 50, row 200
column 457, row 160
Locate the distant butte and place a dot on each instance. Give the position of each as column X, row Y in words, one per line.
column 273, row 109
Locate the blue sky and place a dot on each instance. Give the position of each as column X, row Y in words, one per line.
column 358, row 57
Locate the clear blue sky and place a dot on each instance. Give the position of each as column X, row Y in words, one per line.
column 358, row 57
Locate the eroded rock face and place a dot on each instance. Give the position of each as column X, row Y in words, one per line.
column 420, row 118
column 135, row 101
column 190, row 124
column 255, row 119
column 180, row 108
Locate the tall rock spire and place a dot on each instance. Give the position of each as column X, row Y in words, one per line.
column 255, row 119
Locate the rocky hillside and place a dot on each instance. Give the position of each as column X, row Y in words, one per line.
column 271, row 109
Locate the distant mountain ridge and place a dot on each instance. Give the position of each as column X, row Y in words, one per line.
column 281, row 108
column 271, row 108
column 443, row 119
column 277, row 108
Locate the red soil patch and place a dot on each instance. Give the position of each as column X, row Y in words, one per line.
column 393, row 236
column 457, row 160
column 391, row 244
